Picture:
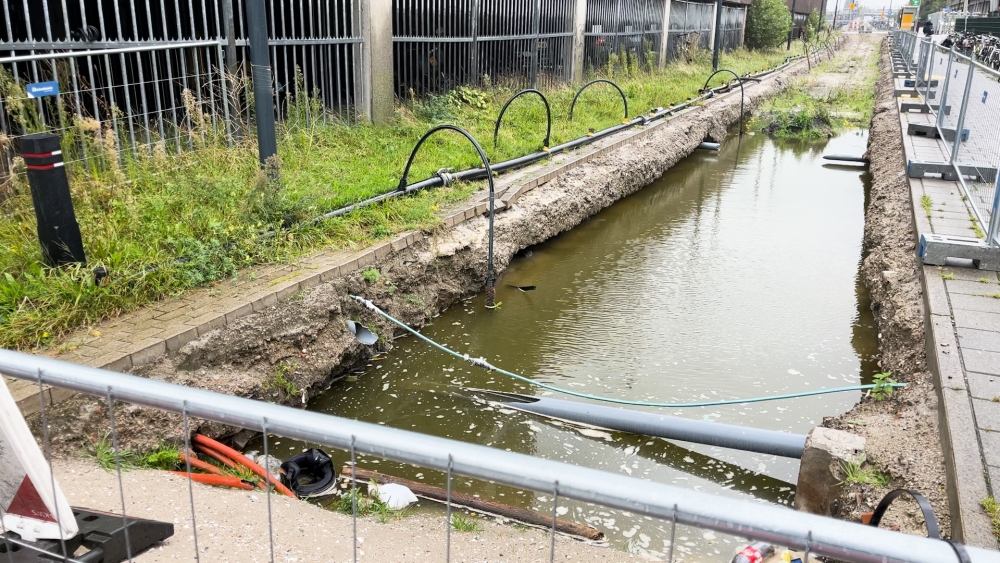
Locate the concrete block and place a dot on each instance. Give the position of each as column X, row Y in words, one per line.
column 971, row 339
column 987, row 414
column 821, row 469
column 149, row 353
column 981, row 361
column 983, row 302
column 977, row 320
column 332, row 273
column 175, row 342
column 238, row 312
column 268, row 300
column 983, row 386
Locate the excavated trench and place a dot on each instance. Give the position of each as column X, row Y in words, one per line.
column 300, row 353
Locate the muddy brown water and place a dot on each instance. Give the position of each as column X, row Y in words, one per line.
column 734, row 275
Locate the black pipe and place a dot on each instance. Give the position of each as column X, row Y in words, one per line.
column 591, row 83
column 548, row 116
column 738, row 79
column 845, row 158
column 491, row 292
column 768, row 442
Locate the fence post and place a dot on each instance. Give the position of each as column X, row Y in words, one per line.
column 58, row 231
column 535, row 30
column 230, row 29
column 943, row 102
column 474, row 47
column 929, row 65
column 961, row 114
column 664, row 35
column 260, row 72
column 373, row 62
column 991, row 236
column 579, row 28
column 717, row 36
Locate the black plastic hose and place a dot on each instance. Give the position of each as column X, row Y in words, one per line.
column 591, row 83
column 548, row 116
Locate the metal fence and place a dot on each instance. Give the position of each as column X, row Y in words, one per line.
column 145, row 76
column 691, row 25
column 440, row 45
column 674, row 507
column 619, row 33
column 964, row 98
column 733, row 23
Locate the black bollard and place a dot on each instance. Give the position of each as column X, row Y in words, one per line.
column 58, row 231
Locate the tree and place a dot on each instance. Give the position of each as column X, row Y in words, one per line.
column 768, row 22
column 812, row 26
column 928, row 7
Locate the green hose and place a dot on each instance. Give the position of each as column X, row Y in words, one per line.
column 481, row 362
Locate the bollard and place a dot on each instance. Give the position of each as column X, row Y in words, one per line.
column 58, row 231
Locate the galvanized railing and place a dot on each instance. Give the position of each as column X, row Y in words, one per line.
column 779, row 525
column 964, row 98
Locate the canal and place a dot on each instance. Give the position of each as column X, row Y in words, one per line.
column 735, row 275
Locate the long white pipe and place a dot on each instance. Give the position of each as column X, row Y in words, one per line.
column 776, row 524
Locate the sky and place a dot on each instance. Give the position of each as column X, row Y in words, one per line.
column 873, row 4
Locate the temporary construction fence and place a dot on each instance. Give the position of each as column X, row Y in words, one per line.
column 964, row 98
column 622, row 32
column 674, row 506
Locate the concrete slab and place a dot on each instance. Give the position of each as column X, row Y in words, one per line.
column 971, row 339
column 977, row 320
column 982, row 361
column 982, row 386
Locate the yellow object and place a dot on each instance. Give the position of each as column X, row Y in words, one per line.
column 853, row 5
column 786, row 557
column 907, row 22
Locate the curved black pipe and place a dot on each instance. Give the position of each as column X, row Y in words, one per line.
column 591, row 83
column 491, row 292
column 738, row 79
column 548, row 116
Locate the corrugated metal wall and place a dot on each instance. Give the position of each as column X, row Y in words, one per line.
column 620, row 30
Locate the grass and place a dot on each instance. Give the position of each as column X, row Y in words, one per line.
column 798, row 114
column 463, row 523
column 162, row 457
column 370, row 505
column 992, row 509
column 371, row 275
column 281, row 381
column 947, row 275
column 926, row 203
column 163, row 222
column 857, row 473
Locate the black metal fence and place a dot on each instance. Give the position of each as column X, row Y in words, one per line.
column 438, row 45
column 733, row 20
column 622, row 32
column 691, row 25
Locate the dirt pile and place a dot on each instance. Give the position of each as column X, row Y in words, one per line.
column 903, row 439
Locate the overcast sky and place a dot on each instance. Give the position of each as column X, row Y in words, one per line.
column 874, row 4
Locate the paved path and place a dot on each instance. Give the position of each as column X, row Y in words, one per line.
column 963, row 313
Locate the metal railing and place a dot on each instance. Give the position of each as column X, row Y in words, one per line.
column 753, row 520
column 963, row 97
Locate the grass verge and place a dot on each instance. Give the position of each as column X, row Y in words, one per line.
column 165, row 221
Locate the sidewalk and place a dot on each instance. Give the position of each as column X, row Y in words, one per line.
column 962, row 312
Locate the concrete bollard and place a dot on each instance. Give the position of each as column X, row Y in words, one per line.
column 821, row 470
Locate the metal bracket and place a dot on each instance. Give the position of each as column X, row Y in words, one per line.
column 936, row 249
column 102, row 533
column 914, row 83
column 920, row 168
column 911, row 92
column 925, row 130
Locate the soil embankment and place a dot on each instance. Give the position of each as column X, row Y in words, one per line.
column 298, row 348
column 902, row 433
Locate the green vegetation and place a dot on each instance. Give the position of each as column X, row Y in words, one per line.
column 883, row 386
column 857, row 473
column 370, row 505
column 464, row 523
column 162, row 457
column 799, row 113
column 164, row 221
column 945, row 275
column 371, row 275
column 992, row 509
column 812, row 27
column 768, row 22
column 281, row 381
column 926, row 203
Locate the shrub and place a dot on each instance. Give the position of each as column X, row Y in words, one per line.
column 812, row 26
column 768, row 22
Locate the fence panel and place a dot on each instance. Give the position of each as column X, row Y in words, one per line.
column 733, row 18
column 622, row 32
column 438, row 45
column 978, row 152
column 691, row 25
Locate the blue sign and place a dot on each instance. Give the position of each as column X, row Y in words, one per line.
column 42, row 89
